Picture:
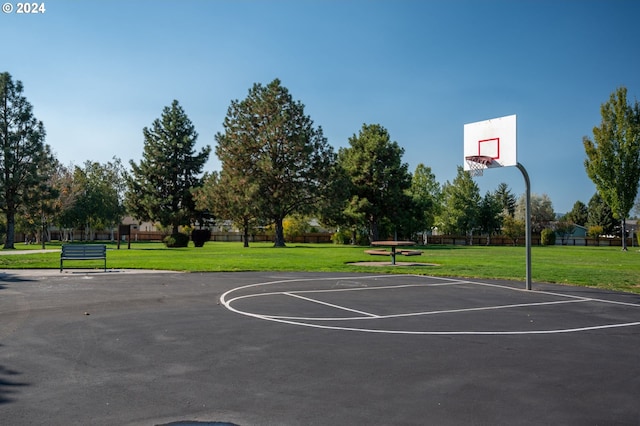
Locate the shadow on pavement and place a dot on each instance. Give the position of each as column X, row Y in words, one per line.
column 7, row 385
column 12, row 278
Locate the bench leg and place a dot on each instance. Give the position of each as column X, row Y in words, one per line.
column 393, row 255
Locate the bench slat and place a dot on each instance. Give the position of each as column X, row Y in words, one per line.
column 410, row 252
column 378, row 252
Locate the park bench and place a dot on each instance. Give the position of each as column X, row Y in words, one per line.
column 378, row 252
column 83, row 252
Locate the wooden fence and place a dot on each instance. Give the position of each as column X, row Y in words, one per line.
column 315, row 237
column 499, row 240
column 323, row 237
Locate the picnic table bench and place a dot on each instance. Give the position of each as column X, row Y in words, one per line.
column 394, row 250
column 83, row 252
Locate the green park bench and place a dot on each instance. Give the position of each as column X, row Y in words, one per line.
column 84, row 252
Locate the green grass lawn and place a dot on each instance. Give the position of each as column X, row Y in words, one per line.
column 603, row 267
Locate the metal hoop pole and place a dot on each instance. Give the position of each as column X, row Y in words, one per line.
column 528, row 222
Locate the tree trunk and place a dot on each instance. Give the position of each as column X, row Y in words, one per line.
column 174, row 229
column 11, row 230
column 246, row 232
column 373, row 230
column 279, row 240
column 624, row 234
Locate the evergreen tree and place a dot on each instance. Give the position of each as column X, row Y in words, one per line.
column 489, row 215
column 270, row 142
column 36, row 215
column 426, row 194
column 159, row 188
column 26, row 162
column 613, row 156
column 460, row 205
column 379, row 178
column 578, row 214
column 600, row 214
column 506, row 199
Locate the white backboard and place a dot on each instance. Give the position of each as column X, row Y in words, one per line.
column 495, row 138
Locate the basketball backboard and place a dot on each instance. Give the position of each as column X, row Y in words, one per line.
column 492, row 142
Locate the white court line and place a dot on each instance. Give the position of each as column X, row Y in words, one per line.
column 224, row 295
column 450, row 333
column 337, row 290
column 331, row 304
column 416, row 314
column 284, row 320
column 277, row 293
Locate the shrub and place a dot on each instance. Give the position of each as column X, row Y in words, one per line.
column 548, row 237
column 200, row 236
column 345, row 236
column 595, row 231
column 295, row 226
column 176, row 240
column 341, row 237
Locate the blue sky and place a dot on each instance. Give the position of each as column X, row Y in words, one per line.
column 99, row 71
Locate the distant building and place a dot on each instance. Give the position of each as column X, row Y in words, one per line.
column 137, row 225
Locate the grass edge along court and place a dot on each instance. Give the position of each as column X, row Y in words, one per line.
column 601, row 267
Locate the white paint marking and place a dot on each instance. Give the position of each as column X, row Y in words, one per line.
column 448, row 311
column 331, row 304
column 284, row 320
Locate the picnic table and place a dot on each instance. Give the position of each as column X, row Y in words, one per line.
column 394, row 245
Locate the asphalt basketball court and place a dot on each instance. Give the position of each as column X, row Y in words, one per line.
column 142, row 348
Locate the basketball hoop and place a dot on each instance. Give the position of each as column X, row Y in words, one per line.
column 477, row 164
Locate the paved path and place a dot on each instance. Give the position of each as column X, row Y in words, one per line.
column 9, row 252
column 155, row 348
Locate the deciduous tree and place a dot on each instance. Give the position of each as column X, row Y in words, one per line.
column 513, row 228
column 613, row 156
column 232, row 199
column 541, row 211
column 565, row 229
column 99, row 203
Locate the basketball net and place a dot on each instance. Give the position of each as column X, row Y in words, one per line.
column 477, row 164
